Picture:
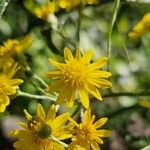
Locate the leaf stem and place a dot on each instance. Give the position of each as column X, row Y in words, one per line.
column 115, row 11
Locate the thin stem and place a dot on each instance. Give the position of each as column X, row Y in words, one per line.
column 66, row 39
column 36, row 77
column 76, row 109
column 79, row 25
column 58, row 141
column 115, row 11
column 126, row 94
column 41, row 81
column 122, row 110
column 24, row 94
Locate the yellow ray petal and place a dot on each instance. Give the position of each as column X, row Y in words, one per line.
column 56, row 64
column 94, row 91
column 84, row 98
column 51, row 113
column 100, row 122
column 67, row 54
column 20, row 134
column 71, row 96
column 28, row 116
column 78, row 54
column 60, row 120
column 87, row 115
column 103, row 133
column 87, row 57
column 64, row 94
column 98, row 64
column 99, row 140
column 40, row 112
column 105, row 83
column 101, row 74
column 95, row 145
column 55, row 86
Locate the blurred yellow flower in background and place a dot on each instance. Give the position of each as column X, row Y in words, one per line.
column 8, row 87
column 141, row 27
column 39, row 129
column 11, row 48
column 145, row 103
column 44, row 10
column 87, row 134
column 69, row 4
column 77, row 74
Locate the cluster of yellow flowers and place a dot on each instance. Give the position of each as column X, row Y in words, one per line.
column 141, row 27
column 8, row 66
column 45, row 132
column 77, row 78
column 49, row 7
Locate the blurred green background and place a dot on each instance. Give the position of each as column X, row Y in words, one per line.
column 129, row 64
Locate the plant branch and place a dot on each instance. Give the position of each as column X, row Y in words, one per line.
column 24, row 94
column 115, row 11
column 58, row 141
column 132, row 94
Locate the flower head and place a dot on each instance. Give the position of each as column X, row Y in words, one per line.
column 39, row 129
column 8, row 87
column 141, row 27
column 77, row 74
column 11, row 48
column 45, row 10
column 87, row 134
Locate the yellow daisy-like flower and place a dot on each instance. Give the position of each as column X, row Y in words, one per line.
column 77, row 74
column 67, row 4
column 44, row 10
column 10, row 48
column 38, row 131
column 8, row 87
column 141, row 27
column 87, row 134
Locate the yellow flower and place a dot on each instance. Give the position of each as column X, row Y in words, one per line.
column 67, row 4
column 39, row 129
column 45, row 10
column 87, row 134
column 141, row 27
column 145, row 103
column 77, row 74
column 10, row 48
column 8, row 87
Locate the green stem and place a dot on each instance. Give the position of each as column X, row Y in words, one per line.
column 126, row 94
column 66, row 39
column 115, row 11
column 36, row 77
column 79, row 25
column 76, row 109
column 58, row 141
column 24, row 94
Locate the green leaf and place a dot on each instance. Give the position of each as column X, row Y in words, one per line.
column 3, row 5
